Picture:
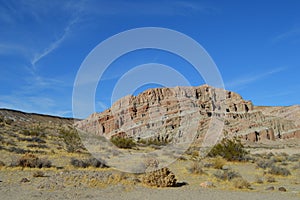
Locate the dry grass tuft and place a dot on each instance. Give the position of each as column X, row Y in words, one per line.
column 196, row 168
column 38, row 174
column 269, row 178
column 240, row 183
column 218, row 162
column 226, row 175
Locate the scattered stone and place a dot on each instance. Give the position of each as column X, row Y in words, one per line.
column 208, row 165
column 271, row 188
column 207, row 184
column 25, row 180
column 282, row 189
column 225, row 167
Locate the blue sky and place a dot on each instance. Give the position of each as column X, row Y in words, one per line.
column 255, row 44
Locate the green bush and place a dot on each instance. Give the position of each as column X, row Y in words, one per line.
column 123, row 142
column 229, row 149
column 71, row 139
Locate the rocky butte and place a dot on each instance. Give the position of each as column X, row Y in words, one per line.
column 174, row 113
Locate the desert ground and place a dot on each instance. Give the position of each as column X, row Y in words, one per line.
column 42, row 157
column 65, row 181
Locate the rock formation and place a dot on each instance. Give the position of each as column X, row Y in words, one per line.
column 171, row 113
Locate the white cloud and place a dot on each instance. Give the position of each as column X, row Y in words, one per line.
column 293, row 33
column 8, row 49
column 54, row 45
column 164, row 8
column 250, row 79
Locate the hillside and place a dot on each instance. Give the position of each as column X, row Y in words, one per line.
column 164, row 113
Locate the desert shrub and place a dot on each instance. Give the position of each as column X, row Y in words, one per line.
column 279, row 158
column 196, row 168
column 38, row 174
column 154, row 141
column 78, row 163
column 193, row 151
column 91, row 162
column 98, row 163
column 40, row 146
column 2, row 164
column 8, row 121
column 71, row 139
column 258, row 179
column 226, row 175
column 32, row 161
column 296, row 166
column 218, row 162
column 294, row 158
column 123, row 142
column 32, row 139
column 268, row 155
column 17, row 150
column 229, row 149
column 240, row 183
column 8, row 142
column 38, row 132
column 264, row 164
column 160, row 178
column 151, row 162
column 269, row 178
column 275, row 170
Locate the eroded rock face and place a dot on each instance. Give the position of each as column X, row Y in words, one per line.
column 173, row 113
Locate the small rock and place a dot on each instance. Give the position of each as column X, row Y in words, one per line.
column 282, row 189
column 225, row 167
column 207, row 184
column 270, row 188
column 208, row 165
column 24, row 180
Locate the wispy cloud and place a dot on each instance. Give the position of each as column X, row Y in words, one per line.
column 54, row 45
column 250, row 79
column 26, row 103
column 293, row 34
column 7, row 49
column 164, row 8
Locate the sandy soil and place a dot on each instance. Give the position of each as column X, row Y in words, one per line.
column 24, row 191
column 79, row 184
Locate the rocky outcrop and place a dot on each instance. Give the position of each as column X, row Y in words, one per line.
column 166, row 113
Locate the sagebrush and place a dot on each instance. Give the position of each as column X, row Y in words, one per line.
column 230, row 149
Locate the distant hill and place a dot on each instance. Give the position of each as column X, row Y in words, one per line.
column 22, row 132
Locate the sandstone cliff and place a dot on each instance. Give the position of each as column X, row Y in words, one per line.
column 170, row 113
